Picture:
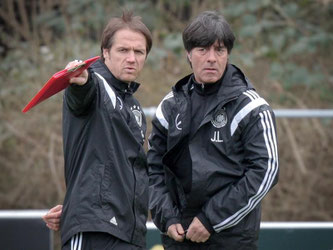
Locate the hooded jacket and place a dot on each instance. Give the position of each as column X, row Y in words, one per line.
column 105, row 163
column 232, row 156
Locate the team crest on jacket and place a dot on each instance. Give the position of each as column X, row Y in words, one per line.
column 137, row 113
column 220, row 119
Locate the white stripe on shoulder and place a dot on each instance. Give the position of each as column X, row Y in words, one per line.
column 251, row 94
column 159, row 113
column 109, row 90
column 169, row 95
column 272, row 169
column 255, row 102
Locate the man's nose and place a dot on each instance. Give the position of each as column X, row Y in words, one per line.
column 211, row 57
column 131, row 56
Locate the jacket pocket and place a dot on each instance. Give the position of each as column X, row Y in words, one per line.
column 106, row 186
column 90, row 185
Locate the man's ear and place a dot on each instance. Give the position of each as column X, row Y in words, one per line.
column 189, row 56
column 106, row 53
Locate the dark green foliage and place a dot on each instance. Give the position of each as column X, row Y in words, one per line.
column 284, row 47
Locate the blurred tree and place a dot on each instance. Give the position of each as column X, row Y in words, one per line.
column 294, row 36
column 284, row 47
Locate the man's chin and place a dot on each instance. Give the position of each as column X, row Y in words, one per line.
column 128, row 78
column 210, row 80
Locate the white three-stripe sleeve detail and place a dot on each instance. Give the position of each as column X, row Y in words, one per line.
column 72, row 242
column 80, row 242
column 268, row 178
column 254, row 94
column 274, row 138
column 159, row 112
column 109, row 90
column 272, row 154
column 272, row 168
column 244, row 111
column 249, row 95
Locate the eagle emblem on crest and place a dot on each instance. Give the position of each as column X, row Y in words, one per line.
column 220, row 118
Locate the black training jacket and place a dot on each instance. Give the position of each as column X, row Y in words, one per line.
column 233, row 155
column 105, row 163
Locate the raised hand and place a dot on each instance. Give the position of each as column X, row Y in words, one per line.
column 80, row 79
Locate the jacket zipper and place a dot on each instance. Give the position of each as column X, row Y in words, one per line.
column 134, row 203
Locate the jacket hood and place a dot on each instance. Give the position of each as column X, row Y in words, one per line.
column 100, row 67
column 233, row 80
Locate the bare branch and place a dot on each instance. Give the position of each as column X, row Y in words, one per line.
column 8, row 15
column 294, row 146
column 27, row 139
column 52, row 166
column 24, row 18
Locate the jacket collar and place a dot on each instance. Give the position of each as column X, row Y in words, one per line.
column 101, row 68
column 205, row 89
column 233, row 83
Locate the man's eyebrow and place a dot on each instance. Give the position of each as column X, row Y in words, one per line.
column 130, row 47
column 220, row 46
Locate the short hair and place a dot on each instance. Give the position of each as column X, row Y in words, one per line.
column 205, row 29
column 126, row 21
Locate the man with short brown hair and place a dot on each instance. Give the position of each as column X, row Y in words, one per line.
column 106, row 202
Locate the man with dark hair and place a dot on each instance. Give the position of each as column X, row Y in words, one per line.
column 106, row 202
column 213, row 150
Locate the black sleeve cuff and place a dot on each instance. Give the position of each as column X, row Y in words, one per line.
column 203, row 219
column 79, row 97
column 170, row 222
column 81, row 90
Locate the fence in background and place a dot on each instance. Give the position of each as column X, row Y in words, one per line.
column 287, row 113
column 25, row 229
